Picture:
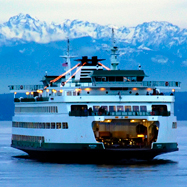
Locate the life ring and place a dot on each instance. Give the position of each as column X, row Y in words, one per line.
column 21, row 87
column 167, row 83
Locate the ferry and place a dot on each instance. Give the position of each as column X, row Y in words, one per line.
column 96, row 114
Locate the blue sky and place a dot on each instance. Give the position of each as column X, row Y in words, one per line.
column 118, row 12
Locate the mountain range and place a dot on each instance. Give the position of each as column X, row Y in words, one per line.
column 29, row 47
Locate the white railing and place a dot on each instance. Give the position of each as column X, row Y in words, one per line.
column 26, row 87
column 151, row 84
column 161, row 83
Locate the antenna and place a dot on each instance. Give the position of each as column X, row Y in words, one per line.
column 114, row 54
column 67, row 64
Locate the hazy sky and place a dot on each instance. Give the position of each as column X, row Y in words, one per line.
column 115, row 12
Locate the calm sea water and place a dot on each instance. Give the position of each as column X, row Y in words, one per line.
column 165, row 170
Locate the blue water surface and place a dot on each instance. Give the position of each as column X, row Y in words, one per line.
column 19, row 171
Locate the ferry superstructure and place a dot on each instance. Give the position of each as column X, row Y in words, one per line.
column 96, row 114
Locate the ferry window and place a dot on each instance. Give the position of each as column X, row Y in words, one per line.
column 49, row 109
column 52, row 125
column 174, row 125
column 98, row 79
column 143, row 108
column 120, row 108
column 43, row 109
column 20, row 124
column 112, row 108
column 136, row 108
column 111, row 79
column 119, row 79
column 30, row 125
column 41, row 126
column 96, row 108
column 74, row 93
column 103, row 79
column 68, row 93
column 127, row 108
column 78, row 107
column 47, row 125
column 16, row 124
column 105, row 107
column 125, row 79
column 53, row 109
column 133, row 78
column 159, row 109
column 35, row 125
column 65, row 125
column 58, row 125
column 140, row 78
column 46, row 109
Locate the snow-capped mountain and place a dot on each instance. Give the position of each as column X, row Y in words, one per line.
column 26, row 28
column 153, row 36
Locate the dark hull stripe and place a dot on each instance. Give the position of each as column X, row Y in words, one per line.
column 118, row 155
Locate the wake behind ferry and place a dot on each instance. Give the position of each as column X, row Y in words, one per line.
column 96, row 114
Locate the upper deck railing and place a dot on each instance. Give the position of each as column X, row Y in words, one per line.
column 161, row 83
column 26, row 87
column 150, row 84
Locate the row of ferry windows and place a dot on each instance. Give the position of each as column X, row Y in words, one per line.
column 37, row 125
column 45, row 109
column 28, row 138
column 121, row 108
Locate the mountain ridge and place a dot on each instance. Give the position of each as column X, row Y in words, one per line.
column 31, row 47
column 27, row 28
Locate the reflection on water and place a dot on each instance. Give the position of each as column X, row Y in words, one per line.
column 16, row 169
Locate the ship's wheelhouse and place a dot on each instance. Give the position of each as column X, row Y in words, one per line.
column 118, row 76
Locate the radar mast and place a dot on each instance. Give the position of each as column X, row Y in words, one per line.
column 67, row 64
column 114, row 49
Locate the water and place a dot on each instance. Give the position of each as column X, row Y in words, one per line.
column 166, row 170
